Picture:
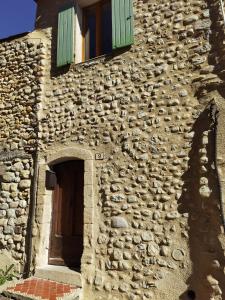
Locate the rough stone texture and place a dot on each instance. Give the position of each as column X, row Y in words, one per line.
column 7, row 261
column 19, row 95
column 151, row 111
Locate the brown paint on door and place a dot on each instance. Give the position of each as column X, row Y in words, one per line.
column 66, row 240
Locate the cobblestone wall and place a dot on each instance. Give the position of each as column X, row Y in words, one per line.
column 148, row 110
column 158, row 211
column 19, row 94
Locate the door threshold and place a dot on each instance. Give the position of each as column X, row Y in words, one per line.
column 61, row 274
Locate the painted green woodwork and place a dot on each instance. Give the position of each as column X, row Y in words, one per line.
column 65, row 41
column 122, row 23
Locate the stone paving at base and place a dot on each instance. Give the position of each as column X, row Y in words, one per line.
column 41, row 289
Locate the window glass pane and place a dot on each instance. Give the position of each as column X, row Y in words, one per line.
column 106, row 28
column 90, row 36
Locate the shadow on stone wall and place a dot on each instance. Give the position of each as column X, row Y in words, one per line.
column 204, row 218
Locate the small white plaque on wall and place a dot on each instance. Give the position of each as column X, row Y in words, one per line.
column 99, row 156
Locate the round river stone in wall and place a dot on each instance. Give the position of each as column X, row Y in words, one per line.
column 119, row 222
column 147, row 236
column 25, row 183
column 8, row 177
column 178, row 254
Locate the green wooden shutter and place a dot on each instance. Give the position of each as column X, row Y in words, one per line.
column 65, row 41
column 122, row 23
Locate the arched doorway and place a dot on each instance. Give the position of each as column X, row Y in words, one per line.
column 66, row 236
column 42, row 229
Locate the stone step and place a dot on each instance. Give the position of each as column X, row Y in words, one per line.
column 41, row 289
column 59, row 273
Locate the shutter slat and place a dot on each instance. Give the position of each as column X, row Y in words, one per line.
column 67, row 37
column 59, row 42
column 122, row 23
column 65, row 43
column 63, row 46
column 117, row 15
column 127, row 15
column 131, row 23
column 71, row 34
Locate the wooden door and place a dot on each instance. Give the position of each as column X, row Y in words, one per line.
column 66, row 240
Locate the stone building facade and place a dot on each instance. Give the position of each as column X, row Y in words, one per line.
column 148, row 122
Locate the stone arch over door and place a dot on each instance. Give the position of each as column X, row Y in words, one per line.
column 44, row 204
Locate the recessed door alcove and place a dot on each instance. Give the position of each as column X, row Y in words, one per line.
column 62, row 222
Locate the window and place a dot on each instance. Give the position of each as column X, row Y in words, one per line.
column 97, row 30
column 87, row 31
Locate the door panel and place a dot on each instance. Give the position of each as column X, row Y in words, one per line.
column 66, row 241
